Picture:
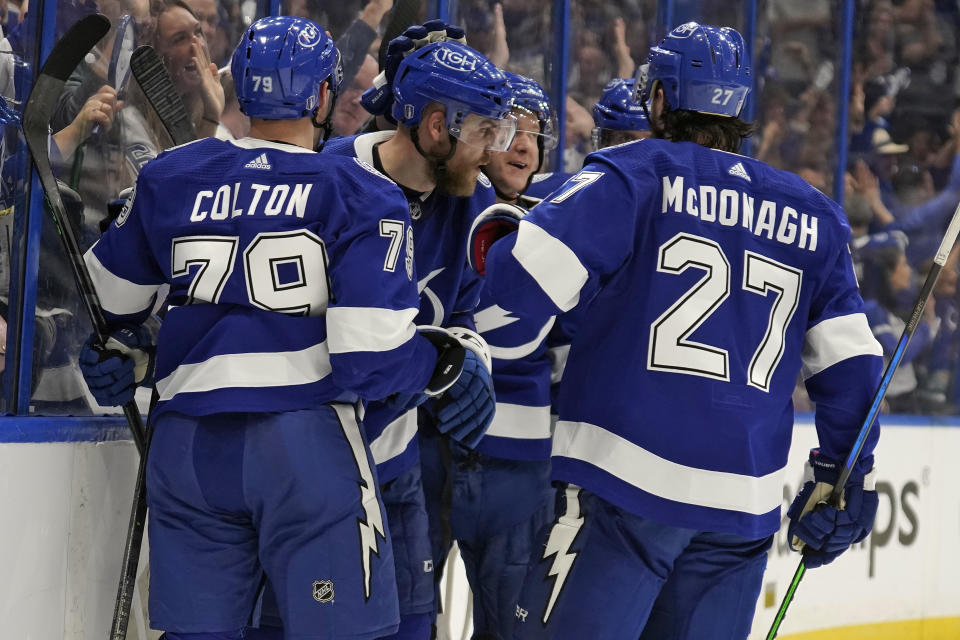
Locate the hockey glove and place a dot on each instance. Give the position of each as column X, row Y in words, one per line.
column 378, row 99
column 465, row 408
column 821, row 531
column 113, row 372
column 494, row 222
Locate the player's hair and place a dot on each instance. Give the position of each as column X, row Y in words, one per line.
column 612, row 137
column 717, row 132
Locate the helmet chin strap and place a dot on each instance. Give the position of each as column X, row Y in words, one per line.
column 327, row 124
column 439, row 164
column 506, row 197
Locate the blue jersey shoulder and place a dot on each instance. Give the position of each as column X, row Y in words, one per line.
column 543, row 184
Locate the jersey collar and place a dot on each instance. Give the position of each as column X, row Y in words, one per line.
column 257, row 143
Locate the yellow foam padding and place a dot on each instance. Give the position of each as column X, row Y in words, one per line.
column 922, row 629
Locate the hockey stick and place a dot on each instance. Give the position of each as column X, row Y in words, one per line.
column 154, row 80
column 157, row 86
column 61, row 62
column 946, row 245
column 404, row 14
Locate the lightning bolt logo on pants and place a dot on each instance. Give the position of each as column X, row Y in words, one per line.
column 562, row 535
column 371, row 525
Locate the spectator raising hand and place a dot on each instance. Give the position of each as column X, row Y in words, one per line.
column 211, row 91
column 499, row 53
column 626, row 67
column 99, row 109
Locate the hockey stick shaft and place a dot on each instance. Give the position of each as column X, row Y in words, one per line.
column 131, row 554
column 946, row 245
column 155, row 81
column 61, row 62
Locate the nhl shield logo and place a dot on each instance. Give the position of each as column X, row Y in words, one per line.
column 323, row 591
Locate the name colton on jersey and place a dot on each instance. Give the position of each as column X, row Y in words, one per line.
column 265, row 199
column 731, row 208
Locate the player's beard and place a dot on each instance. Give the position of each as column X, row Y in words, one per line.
column 458, row 175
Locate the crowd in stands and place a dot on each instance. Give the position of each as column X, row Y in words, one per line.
column 903, row 170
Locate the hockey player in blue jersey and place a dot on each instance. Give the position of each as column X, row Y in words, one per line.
column 720, row 280
column 499, row 493
column 292, row 297
column 452, row 107
column 617, row 118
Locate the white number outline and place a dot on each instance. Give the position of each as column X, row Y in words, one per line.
column 213, row 269
column 305, row 309
column 580, row 181
column 219, row 261
column 393, row 229
column 787, row 287
column 761, row 275
column 701, row 300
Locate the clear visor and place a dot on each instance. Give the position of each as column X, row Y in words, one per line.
column 485, row 133
column 595, row 139
column 548, row 135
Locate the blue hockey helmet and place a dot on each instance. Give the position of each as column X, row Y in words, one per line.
column 279, row 65
column 701, row 68
column 462, row 80
column 617, row 109
column 530, row 96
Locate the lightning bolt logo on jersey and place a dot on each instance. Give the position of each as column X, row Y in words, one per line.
column 371, row 525
column 559, row 544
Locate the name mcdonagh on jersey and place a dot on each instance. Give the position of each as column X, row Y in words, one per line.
column 267, row 199
column 731, row 208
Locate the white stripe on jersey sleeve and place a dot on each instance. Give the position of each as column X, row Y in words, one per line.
column 117, row 295
column 244, row 370
column 836, row 339
column 368, row 328
column 520, row 422
column 395, row 437
column 558, row 362
column 551, row 263
column 664, row 478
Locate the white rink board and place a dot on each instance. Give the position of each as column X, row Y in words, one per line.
column 64, row 510
column 908, row 567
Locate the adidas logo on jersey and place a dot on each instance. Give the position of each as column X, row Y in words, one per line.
column 740, row 172
column 260, row 162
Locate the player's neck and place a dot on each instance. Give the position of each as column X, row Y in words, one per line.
column 404, row 164
column 298, row 132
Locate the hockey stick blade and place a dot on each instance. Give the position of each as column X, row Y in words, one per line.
column 153, row 78
column 946, row 246
column 61, row 62
column 63, row 59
